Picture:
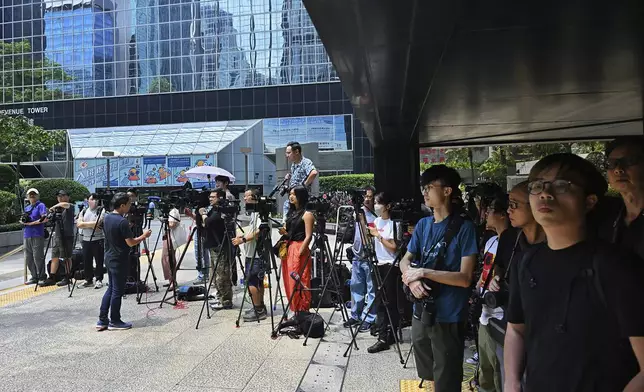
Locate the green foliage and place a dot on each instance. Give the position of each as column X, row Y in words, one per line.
column 10, row 227
column 7, row 207
column 345, row 182
column 161, row 85
column 22, row 139
column 49, row 187
column 25, row 78
column 7, row 178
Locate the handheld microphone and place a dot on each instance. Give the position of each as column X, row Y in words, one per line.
column 296, row 277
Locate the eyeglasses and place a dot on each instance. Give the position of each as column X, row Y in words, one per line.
column 558, row 186
column 624, row 163
column 426, row 188
column 514, row 204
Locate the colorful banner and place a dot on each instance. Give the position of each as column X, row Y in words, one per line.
column 178, row 166
column 130, row 172
column 155, row 172
column 93, row 172
column 203, row 160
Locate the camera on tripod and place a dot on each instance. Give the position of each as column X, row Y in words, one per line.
column 227, row 207
column 197, row 198
column 53, row 217
column 357, row 197
column 105, row 198
column 406, row 210
column 319, row 205
column 265, row 206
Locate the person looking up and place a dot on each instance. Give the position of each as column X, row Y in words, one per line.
column 302, row 171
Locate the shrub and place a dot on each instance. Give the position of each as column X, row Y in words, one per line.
column 345, row 182
column 7, row 178
column 49, row 187
column 7, row 207
column 10, row 227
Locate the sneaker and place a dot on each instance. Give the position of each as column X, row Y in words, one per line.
column 98, row 284
column 216, row 305
column 350, row 323
column 47, row 282
column 102, row 325
column 41, row 282
column 473, row 360
column 378, row 347
column 261, row 314
column 88, row 283
column 63, row 282
column 366, row 327
column 119, row 325
column 31, row 281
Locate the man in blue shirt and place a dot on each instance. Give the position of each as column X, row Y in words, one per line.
column 302, row 171
column 439, row 339
column 34, row 235
column 118, row 241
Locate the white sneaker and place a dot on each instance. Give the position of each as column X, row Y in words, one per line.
column 98, row 285
column 473, row 360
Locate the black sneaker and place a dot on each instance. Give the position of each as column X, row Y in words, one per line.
column 31, row 281
column 48, row 282
column 63, row 282
column 261, row 314
column 350, row 323
column 366, row 327
column 378, row 347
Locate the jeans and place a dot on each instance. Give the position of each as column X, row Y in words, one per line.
column 285, row 209
column 204, row 263
column 113, row 295
column 35, row 257
column 363, row 292
column 93, row 250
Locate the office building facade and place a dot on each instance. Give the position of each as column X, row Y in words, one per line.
column 113, row 64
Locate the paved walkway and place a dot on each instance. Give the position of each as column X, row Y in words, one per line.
column 48, row 342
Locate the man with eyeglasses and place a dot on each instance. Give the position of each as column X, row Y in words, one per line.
column 575, row 317
column 438, row 326
column 34, row 235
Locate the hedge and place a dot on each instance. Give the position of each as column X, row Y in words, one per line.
column 7, row 178
column 7, row 207
column 345, row 182
column 49, row 187
column 10, row 227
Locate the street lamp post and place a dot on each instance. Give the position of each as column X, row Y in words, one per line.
column 108, row 155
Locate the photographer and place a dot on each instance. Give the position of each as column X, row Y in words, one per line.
column 385, row 246
column 296, row 267
column 178, row 239
column 118, row 241
column 223, row 182
column 93, row 241
column 490, row 366
column 63, row 242
column 220, row 251
column 255, row 275
column 34, row 234
column 363, row 291
column 575, row 303
column 302, row 172
column 442, row 280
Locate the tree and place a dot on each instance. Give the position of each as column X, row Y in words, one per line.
column 161, row 85
column 25, row 78
column 22, row 140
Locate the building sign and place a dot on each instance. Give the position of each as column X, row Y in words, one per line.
column 432, row 155
column 23, row 111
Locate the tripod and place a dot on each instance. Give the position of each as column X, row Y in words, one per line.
column 381, row 292
column 61, row 229
column 98, row 218
column 263, row 253
column 165, row 231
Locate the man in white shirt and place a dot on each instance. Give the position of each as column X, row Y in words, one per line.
column 93, row 241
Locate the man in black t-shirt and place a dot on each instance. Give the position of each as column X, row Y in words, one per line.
column 577, row 302
column 63, row 241
column 118, row 241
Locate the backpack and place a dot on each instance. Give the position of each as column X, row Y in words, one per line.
column 300, row 325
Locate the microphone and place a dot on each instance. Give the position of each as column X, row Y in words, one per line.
column 296, row 277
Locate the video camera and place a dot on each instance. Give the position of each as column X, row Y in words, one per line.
column 357, row 197
column 227, row 207
column 265, row 206
column 319, row 205
column 405, row 210
column 54, row 216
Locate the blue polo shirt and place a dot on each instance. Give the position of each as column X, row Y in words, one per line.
column 425, row 243
column 35, row 212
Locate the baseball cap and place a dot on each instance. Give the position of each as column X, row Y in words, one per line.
column 32, row 190
column 61, row 193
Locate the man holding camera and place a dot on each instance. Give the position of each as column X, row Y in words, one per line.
column 303, row 171
column 254, row 275
column 118, row 241
column 93, row 241
column 220, row 251
column 446, row 249
column 34, row 234
column 63, row 242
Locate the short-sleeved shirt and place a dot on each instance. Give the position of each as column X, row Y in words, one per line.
column 66, row 223
column 300, row 171
column 35, row 212
column 573, row 340
column 488, row 273
column 117, row 251
column 89, row 215
column 386, row 229
column 610, row 226
column 451, row 303
column 253, row 226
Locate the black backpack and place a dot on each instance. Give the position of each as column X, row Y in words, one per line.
column 300, row 325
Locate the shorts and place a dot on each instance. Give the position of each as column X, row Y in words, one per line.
column 62, row 248
column 254, row 276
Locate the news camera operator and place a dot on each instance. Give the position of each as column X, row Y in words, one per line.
column 254, row 275
column 34, row 235
column 93, row 241
column 303, row 172
column 220, row 251
column 440, row 280
column 296, row 268
column 63, row 241
column 118, row 241
column 223, row 182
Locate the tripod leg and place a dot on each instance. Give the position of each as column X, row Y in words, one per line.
column 411, row 350
column 205, row 300
column 45, row 256
column 246, row 272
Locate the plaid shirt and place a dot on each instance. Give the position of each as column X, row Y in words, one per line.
column 300, row 171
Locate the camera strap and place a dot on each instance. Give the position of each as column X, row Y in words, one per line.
column 453, row 227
